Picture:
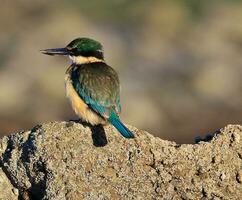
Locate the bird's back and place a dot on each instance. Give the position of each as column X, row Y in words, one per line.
column 99, row 83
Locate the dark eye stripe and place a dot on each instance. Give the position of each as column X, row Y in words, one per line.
column 96, row 54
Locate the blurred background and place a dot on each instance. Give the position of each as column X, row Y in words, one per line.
column 180, row 61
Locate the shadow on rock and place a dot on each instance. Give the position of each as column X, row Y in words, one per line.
column 98, row 136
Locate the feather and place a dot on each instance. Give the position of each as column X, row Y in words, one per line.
column 98, row 86
column 115, row 121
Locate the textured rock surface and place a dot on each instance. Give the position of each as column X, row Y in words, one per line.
column 69, row 161
column 7, row 191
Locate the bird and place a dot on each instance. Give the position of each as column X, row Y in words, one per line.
column 92, row 86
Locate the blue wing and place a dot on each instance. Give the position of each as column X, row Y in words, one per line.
column 98, row 85
column 102, row 110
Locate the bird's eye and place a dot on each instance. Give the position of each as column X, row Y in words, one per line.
column 73, row 51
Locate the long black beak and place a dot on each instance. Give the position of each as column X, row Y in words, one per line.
column 57, row 51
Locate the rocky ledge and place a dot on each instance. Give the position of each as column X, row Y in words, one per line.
column 68, row 160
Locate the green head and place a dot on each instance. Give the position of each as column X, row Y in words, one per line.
column 79, row 48
column 84, row 47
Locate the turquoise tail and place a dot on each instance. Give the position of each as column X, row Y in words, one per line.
column 115, row 121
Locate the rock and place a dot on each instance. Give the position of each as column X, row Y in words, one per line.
column 67, row 160
column 7, row 191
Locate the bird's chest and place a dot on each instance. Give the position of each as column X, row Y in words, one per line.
column 77, row 103
column 79, row 106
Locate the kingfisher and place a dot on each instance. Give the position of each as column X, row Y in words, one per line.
column 92, row 86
